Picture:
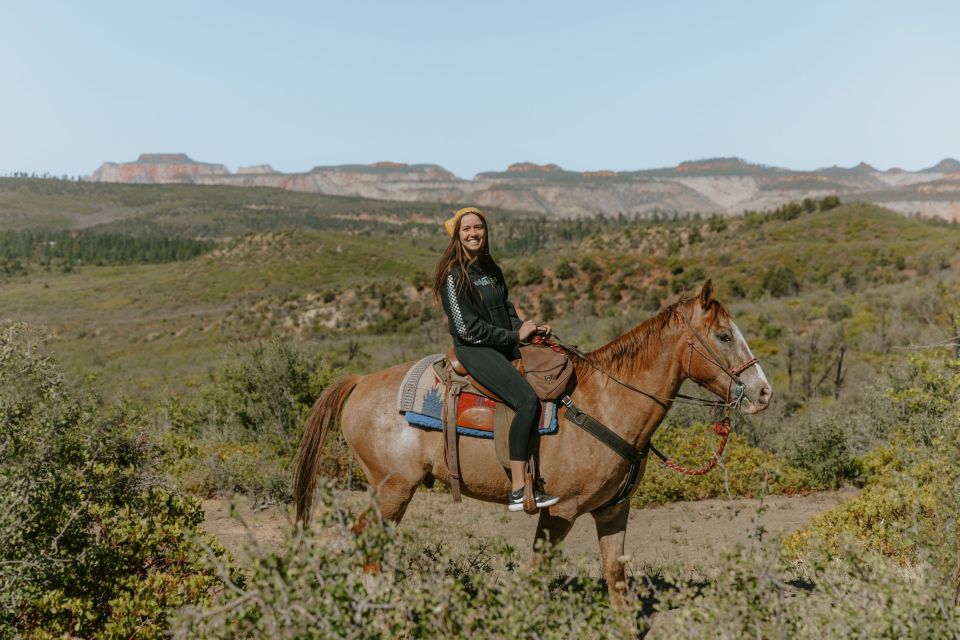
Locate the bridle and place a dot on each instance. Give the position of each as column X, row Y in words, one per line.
column 736, row 387
column 735, row 393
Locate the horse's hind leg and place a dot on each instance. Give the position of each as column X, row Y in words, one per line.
column 612, row 532
column 393, row 494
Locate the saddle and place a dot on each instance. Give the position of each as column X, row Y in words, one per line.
column 461, row 371
column 456, row 381
column 436, row 394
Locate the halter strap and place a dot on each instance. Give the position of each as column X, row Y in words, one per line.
column 711, row 355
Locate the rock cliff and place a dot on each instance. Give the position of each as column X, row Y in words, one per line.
column 716, row 185
column 157, row 168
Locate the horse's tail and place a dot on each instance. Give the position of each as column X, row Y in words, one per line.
column 322, row 417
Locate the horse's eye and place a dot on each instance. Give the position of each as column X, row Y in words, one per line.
column 725, row 337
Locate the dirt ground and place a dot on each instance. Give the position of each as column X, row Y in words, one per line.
column 679, row 536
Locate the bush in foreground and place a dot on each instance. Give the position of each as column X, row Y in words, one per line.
column 92, row 544
column 315, row 589
column 843, row 593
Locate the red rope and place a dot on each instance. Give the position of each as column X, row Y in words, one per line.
column 722, row 429
column 547, row 342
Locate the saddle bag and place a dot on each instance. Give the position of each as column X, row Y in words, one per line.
column 548, row 371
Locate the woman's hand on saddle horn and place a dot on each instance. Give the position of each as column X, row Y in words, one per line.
column 530, row 328
column 527, row 329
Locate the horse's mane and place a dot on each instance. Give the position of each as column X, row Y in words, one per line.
column 642, row 343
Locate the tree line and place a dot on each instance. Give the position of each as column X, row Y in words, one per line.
column 83, row 247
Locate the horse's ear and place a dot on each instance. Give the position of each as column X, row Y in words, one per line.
column 706, row 294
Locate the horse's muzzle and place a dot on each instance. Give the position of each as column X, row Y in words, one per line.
column 749, row 406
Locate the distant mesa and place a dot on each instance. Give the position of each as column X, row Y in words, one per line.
column 167, row 158
column 256, row 169
column 729, row 167
column 385, row 167
column 723, row 185
column 858, row 171
column 157, row 168
column 530, row 167
column 947, row 165
column 389, row 165
column 713, row 164
column 602, row 173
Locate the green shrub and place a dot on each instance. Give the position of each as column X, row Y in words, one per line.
column 316, row 590
column 823, row 451
column 780, row 282
column 240, row 432
column 746, row 471
column 93, row 545
column 830, row 202
column 838, row 311
column 757, row 593
column 565, row 271
column 589, row 265
column 530, row 273
column 908, row 509
column 548, row 310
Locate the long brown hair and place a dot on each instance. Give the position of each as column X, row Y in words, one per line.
column 456, row 257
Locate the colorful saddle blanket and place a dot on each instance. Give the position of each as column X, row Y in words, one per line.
column 420, row 400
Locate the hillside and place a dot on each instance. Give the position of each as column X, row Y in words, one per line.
column 800, row 282
column 195, row 211
column 714, row 185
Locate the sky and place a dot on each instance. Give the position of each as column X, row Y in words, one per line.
column 477, row 86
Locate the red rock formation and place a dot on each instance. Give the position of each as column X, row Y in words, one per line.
column 157, row 168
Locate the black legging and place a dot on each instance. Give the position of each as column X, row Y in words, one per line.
column 493, row 370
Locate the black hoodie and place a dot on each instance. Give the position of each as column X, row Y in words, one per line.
column 494, row 322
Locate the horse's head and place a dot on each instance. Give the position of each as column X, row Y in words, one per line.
column 716, row 356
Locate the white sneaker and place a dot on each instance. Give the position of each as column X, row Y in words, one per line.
column 515, row 502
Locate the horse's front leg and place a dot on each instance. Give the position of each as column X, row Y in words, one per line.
column 611, row 532
column 552, row 529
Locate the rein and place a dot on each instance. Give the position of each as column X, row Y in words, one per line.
column 559, row 345
column 735, row 393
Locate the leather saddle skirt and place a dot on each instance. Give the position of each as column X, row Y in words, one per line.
column 479, row 413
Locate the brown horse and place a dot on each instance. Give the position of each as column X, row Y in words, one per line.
column 694, row 338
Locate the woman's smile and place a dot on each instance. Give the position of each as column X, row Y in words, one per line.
column 472, row 234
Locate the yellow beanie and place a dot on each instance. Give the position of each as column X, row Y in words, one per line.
column 451, row 224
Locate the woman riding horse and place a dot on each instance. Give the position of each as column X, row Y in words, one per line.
column 487, row 333
column 627, row 385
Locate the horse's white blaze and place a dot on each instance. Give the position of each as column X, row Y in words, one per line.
column 754, row 378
